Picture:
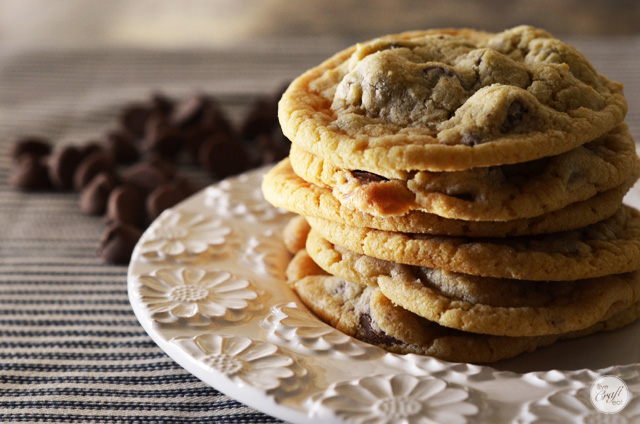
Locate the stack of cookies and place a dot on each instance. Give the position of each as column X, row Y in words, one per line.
column 460, row 194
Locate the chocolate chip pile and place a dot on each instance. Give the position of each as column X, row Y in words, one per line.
column 134, row 172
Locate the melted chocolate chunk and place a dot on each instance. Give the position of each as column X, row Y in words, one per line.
column 525, row 170
column 365, row 177
column 438, row 72
column 467, row 197
column 471, row 139
column 372, row 336
column 515, row 115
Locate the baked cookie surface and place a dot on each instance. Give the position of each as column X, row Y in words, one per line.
column 497, row 193
column 284, row 188
column 449, row 100
column 366, row 314
column 485, row 305
column 608, row 247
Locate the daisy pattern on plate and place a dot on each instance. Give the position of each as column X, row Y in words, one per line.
column 267, row 255
column 171, row 294
column 578, row 378
column 425, row 365
column 184, row 235
column 304, row 333
column 397, row 399
column 243, row 360
column 574, row 405
column 247, row 201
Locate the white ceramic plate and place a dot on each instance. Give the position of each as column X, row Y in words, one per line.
column 206, row 282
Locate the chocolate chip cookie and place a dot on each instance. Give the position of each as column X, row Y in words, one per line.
column 485, row 305
column 365, row 313
column 283, row 188
column 497, row 193
column 445, row 100
column 608, row 247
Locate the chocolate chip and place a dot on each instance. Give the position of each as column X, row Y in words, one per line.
column 438, row 72
column 146, row 176
column 365, row 177
column 223, row 156
column 214, row 120
column 63, row 164
column 515, row 115
column 30, row 173
column 159, row 162
column 133, row 119
column 162, row 104
column 261, row 119
column 189, row 112
column 126, row 204
column 34, row 146
column 118, row 242
column 471, row 139
column 164, row 197
column 90, row 148
column 339, row 288
column 121, row 146
column 372, row 336
column 163, row 139
column 267, row 150
column 93, row 197
column 519, row 172
column 185, row 185
column 467, row 197
column 91, row 166
column 194, row 138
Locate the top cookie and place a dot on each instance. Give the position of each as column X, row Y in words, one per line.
column 444, row 100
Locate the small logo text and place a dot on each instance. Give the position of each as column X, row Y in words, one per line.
column 609, row 394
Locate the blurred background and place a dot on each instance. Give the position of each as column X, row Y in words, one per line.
column 65, row 65
column 201, row 23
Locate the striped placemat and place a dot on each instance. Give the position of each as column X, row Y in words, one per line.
column 71, row 349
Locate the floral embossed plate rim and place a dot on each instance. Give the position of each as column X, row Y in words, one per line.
column 206, row 282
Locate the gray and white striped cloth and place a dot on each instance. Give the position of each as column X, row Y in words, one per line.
column 71, row 349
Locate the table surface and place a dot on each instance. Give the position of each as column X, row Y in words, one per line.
column 71, row 349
